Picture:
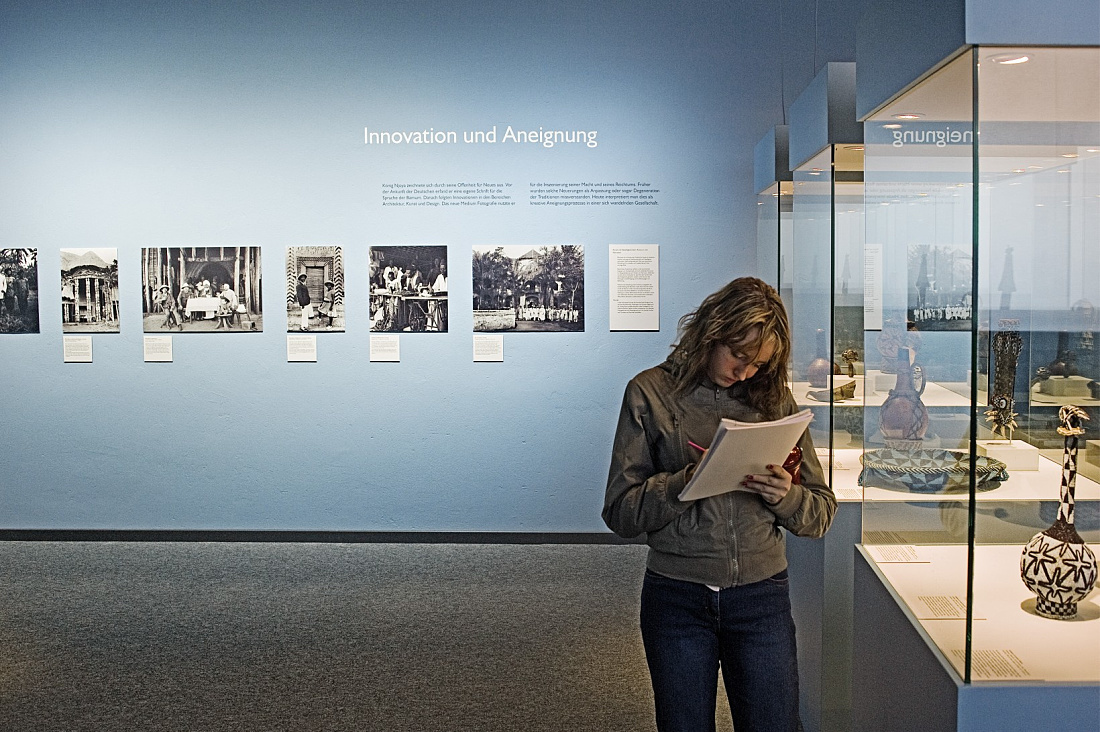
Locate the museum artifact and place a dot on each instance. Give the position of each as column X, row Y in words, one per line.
column 1056, row 564
column 1065, row 362
column 893, row 336
column 850, row 357
column 1006, row 346
column 929, row 471
column 903, row 417
column 836, row 394
column 819, row 370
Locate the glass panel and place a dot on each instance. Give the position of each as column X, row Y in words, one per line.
column 1039, row 305
column 810, row 305
column 847, row 327
column 917, row 346
column 773, row 224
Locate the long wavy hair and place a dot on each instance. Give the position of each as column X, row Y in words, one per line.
column 746, row 313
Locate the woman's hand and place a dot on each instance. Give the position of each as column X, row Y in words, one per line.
column 771, row 487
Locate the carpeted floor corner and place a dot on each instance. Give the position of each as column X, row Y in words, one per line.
column 212, row 637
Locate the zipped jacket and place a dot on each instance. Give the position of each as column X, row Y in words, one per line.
column 734, row 538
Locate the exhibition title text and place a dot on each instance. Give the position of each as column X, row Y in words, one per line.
column 432, row 136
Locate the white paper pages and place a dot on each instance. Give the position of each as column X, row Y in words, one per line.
column 744, row 448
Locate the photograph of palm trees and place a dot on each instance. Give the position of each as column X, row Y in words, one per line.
column 89, row 290
column 18, row 290
column 520, row 289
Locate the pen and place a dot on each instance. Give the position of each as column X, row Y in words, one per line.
column 697, row 447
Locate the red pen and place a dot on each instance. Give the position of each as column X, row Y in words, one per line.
column 697, row 447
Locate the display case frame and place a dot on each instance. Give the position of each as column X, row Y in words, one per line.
column 824, row 303
column 773, row 185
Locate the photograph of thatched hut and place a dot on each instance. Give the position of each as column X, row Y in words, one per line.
column 89, row 291
column 528, row 290
column 315, row 289
column 201, row 289
column 18, row 290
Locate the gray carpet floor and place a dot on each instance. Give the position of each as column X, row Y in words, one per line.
column 206, row 637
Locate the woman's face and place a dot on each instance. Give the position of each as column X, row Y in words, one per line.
column 730, row 363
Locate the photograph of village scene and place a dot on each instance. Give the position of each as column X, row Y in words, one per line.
column 408, row 286
column 18, row 290
column 314, row 289
column 939, row 288
column 524, row 290
column 89, row 291
column 201, row 290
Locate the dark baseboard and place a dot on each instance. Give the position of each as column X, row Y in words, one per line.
column 317, row 537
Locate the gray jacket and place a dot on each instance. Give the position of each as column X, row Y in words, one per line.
column 725, row 540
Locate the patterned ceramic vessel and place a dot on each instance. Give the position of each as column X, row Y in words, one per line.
column 903, row 417
column 1056, row 564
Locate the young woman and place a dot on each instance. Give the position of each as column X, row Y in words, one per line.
column 715, row 590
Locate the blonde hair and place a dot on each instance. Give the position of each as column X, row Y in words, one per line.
column 746, row 313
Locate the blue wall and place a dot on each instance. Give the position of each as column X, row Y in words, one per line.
column 166, row 124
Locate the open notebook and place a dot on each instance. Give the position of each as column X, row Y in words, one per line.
column 744, row 448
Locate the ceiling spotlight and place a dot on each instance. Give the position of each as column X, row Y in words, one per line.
column 1010, row 59
column 891, row 127
column 908, row 115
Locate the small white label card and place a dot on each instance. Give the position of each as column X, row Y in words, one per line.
column 77, row 349
column 158, row 348
column 893, row 553
column 634, row 287
column 301, row 348
column 488, row 348
column 993, row 664
column 385, row 348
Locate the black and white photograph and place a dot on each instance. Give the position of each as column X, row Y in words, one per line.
column 939, row 288
column 519, row 289
column 314, row 289
column 18, row 290
column 408, row 286
column 89, row 291
column 201, row 290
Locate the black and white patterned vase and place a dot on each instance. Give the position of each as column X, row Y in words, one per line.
column 1056, row 564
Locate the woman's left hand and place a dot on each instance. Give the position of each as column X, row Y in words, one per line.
column 772, row 487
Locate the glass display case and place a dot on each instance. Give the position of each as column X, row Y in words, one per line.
column 981, row 322
column 825, row 305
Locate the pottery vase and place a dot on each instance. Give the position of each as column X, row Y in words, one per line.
column 1056, row 564
column 903, row 416
column 819, row 370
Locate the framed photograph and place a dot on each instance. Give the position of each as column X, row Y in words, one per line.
column 18, row 291
column 408, row 289
column 201, row 289
column 314, row 289
column 89, row 291
column 519, row 289
column 940, row 297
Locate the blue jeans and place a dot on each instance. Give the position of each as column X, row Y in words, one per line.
column 688, row 630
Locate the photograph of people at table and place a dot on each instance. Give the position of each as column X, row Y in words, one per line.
column 315, row 289
column 522, row 289
column 89, row 291
column 201, row 289
column 408, row 286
